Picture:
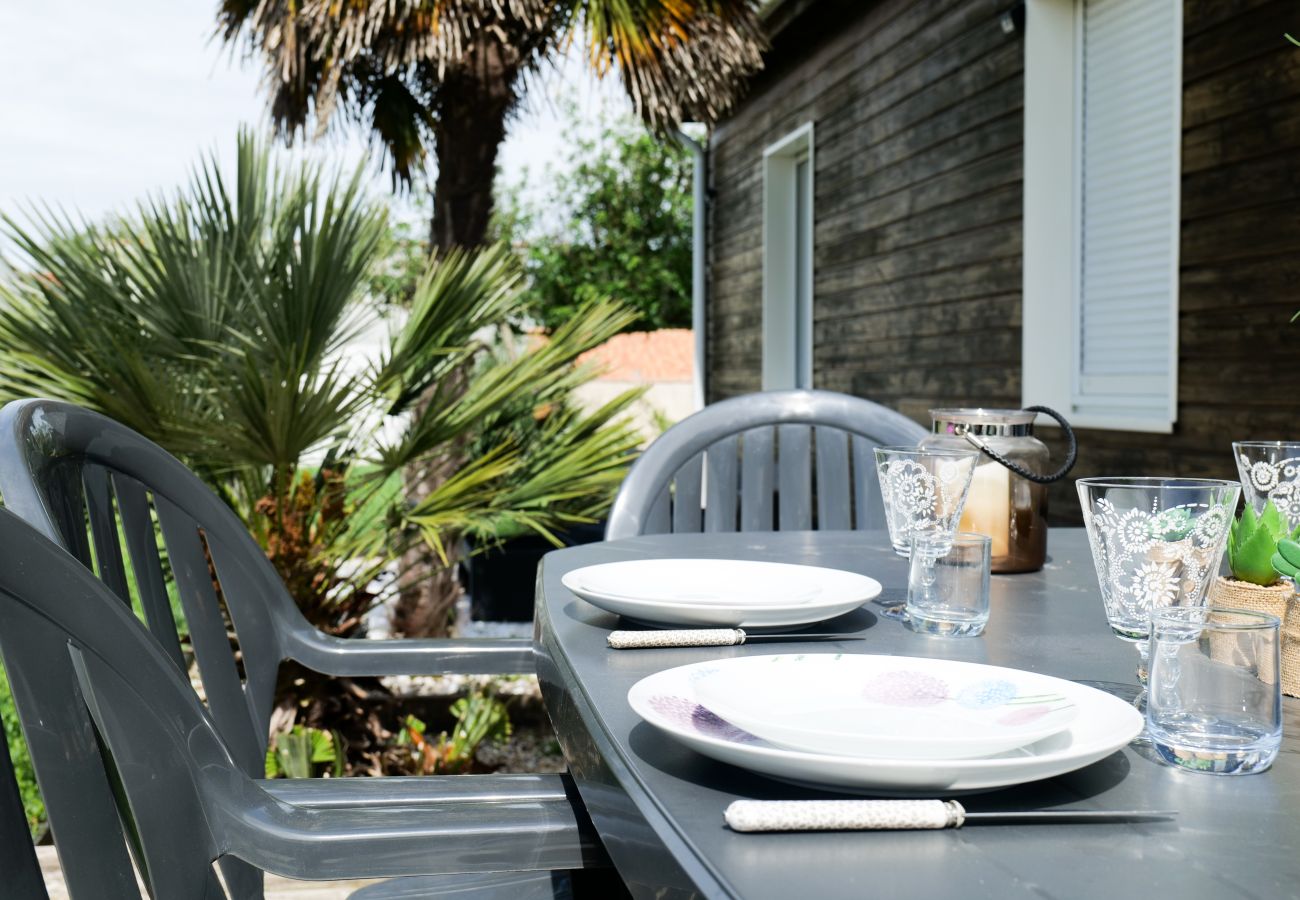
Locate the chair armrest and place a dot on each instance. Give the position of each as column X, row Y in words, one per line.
column 437, row 837
column 321, row 793
column 409, row 656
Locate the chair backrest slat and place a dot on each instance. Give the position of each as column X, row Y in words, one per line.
column 221, row 682
column 146, row 564
column 758, row 480
column 258, row 643
column 103, row 530
column 794, row 477
column 722, row 485
column 833, row 479
column 686, row 495
column 778, row 440
column 67, row 508
column 659, row 520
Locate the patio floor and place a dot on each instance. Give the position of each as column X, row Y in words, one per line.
column 275, row 887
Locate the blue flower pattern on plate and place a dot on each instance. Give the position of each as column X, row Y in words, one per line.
column 986, row 694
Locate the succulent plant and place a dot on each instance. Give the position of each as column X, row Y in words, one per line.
column 1286, row 561
column 1253, row 545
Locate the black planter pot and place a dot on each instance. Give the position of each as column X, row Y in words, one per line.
column 501, row 580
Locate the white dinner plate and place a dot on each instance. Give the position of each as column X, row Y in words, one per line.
column 721, row 592
column 668, row 701
column 860, row 705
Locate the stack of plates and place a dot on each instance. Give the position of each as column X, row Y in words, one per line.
column 733, row 593
column 885, row 724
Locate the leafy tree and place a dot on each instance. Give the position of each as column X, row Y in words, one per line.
column 449, row 73
column 622, row 230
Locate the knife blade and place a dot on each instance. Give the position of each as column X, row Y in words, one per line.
column 710, row 637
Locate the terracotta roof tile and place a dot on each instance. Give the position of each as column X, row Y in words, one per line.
column 645, row 356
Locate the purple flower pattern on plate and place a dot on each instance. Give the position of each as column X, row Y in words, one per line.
column 691, row 714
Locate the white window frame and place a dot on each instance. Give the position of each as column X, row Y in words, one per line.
column 787, row 328
column 1052, row 240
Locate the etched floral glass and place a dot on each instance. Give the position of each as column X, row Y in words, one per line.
column 1270, row 470
column 1156, row 542
column 924, row 491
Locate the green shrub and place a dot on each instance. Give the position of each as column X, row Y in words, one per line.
column 31, row 795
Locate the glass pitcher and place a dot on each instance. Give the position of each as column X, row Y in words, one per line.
column 1008, row 493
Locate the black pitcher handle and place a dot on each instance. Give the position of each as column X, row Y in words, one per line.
column 1070, row 455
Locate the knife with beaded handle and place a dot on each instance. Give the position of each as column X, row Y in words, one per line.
column 897, row 815
column 707, row 637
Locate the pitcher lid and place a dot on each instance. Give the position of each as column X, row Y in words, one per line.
column 1010, row 422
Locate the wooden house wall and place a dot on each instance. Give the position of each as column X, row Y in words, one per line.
column 917, row 272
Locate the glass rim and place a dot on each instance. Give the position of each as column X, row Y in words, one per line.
column 1179, row 615
column 1150, row 481
column 1263, row 444
column 964, row 538
column 927, row 451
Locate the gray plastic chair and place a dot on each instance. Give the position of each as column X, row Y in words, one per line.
column 774, row 461
column 61, row 466
column 121, row 743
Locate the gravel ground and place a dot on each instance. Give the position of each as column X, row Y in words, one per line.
column 531, row 748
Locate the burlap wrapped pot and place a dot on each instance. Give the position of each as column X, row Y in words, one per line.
column 1276, row 600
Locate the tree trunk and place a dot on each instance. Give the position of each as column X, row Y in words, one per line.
column 476, row 99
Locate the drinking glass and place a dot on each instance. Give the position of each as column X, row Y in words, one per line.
column 948, row 593
column 1215, row 701
column 924, row 491
column 1270, row 470
column 1155, row 542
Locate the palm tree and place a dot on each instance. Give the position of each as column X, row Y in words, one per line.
column 449, row 73
column 217, row 323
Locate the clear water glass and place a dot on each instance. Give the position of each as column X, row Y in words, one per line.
column 948, row 591
column 1155, row 542
column 1270, row 470
column 1214, row 699
column 924, row 492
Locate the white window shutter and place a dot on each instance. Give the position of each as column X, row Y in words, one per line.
column 1130, row 118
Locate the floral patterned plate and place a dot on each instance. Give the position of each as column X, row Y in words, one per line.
column 668, row 701
column 859, row 705
column 721, row 592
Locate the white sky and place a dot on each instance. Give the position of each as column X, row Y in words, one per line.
column 104, row 102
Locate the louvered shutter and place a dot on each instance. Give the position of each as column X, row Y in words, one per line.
column 1130, row 117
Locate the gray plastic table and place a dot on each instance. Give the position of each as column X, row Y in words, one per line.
column 658, row 806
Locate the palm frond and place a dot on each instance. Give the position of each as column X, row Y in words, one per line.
column 459, row 296
column 451, row 410
column 680, row 60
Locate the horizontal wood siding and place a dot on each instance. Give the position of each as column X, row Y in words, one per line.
column 1239, row 251
column 917, row 113
column 919, row 127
